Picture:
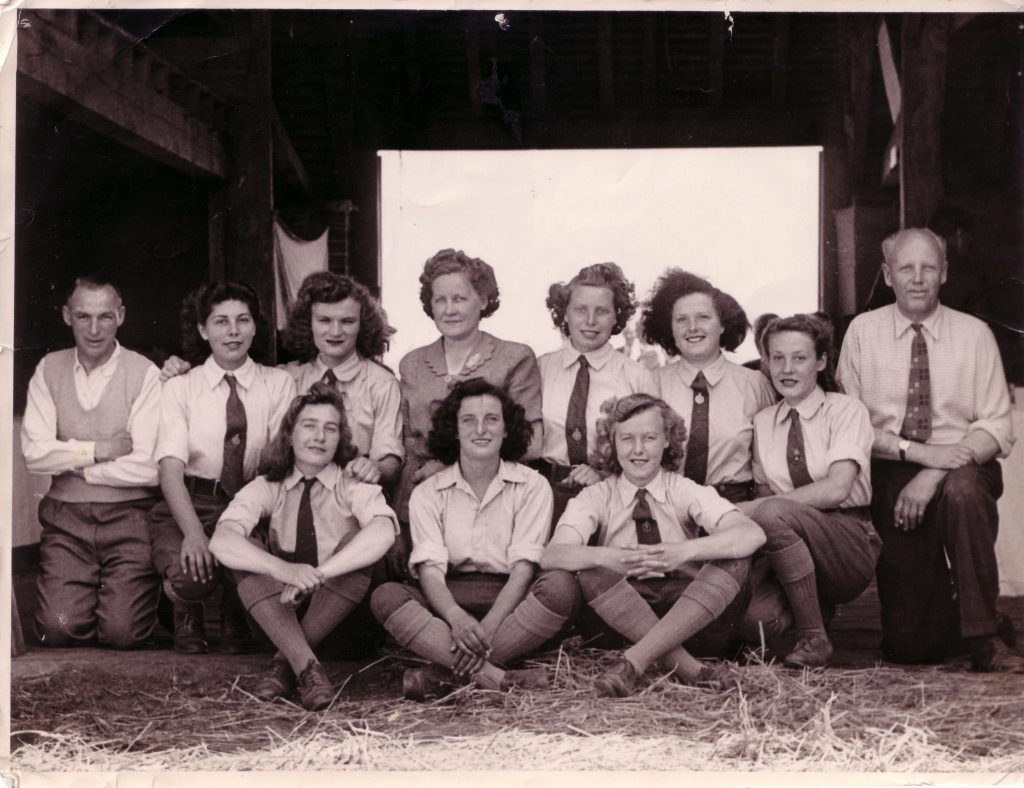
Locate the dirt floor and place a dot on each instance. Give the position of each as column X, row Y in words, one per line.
column 91, row 709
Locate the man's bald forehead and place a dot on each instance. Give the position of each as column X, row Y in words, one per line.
column 892, row 245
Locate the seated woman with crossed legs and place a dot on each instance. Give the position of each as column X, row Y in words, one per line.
column 326, row 529
column 651, row 576
column 478, row 530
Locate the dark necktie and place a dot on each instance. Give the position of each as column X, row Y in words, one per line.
column 917, row 424
column 329, row 378
column 305, row 530
column 796, row 458
column 646, row 526
column 232, row 472
column 696, row 465
column 576, row 418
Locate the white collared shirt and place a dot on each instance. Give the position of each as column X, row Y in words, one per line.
column 735, row 394
column 340, row 505
column 45, row 454
column 193, row 418
column 968, row 385
column 835, row 427
column 373, row 402
column 612, row 374
column 679, row 505
column 451, row 527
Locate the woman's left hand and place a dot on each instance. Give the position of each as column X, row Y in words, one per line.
column 363, row 469
column 292, row 596
column 426, row 470
column 657, row 560
column 583, row 475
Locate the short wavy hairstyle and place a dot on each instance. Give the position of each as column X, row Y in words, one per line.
column 656, row 321
column 443, row 439
column 326, row 287
column 892, row 244
column 820, row 332
column 480, row 276
column 615, row 411
column 607, row 275
column 279, row 457
column 199, row 304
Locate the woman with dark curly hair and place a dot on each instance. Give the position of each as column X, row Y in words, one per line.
column 671, row 557
column 592, row 307
column 812, row 456
column 478, row 530
column 326, row 529
column 214, row 423
column 694, row 320
column 457, row 291
column 338, row 332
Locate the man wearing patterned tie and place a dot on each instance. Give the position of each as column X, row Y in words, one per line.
column 933, row 382
column 90, row 423
column 650, row 576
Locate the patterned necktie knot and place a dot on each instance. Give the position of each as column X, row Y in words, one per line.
column 917, row 422
column 576, row 415
column 646, row 526
column 329, row 378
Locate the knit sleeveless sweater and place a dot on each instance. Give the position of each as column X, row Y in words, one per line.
column 109, row 419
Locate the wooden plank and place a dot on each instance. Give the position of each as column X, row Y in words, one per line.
column 286, row 158
column 605, row 66
column 925, row 44
column 59, row 71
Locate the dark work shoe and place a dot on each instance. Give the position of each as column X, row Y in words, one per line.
column 526, row 678
column 277, row 682
column 235, row 637
column 711, row 676
column 990, row 654
column 811, row 651
column 429, row 683
column 618, row 681
column 1006, row 632
column 189, row 629
column 315, row 690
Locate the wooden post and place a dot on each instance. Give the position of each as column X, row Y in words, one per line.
column 925, row 42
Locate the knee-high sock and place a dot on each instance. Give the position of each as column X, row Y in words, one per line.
column 415, row 628
column 625, row 611
column 794, row 567
column 704, row 600
column 526, row 628
column 326, row 610
column 282, row 627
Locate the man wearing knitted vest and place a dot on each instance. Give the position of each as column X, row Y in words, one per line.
column 90, row 422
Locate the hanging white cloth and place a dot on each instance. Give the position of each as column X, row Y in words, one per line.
column 294, row 260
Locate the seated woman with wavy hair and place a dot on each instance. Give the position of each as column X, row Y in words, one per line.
column 326, row 530
column 478, row 530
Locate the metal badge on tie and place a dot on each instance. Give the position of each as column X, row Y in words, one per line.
column 577, row 435
column 235, row 439
column 699, row 399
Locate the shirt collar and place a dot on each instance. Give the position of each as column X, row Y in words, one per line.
column 902, row 323
column 595, row 358
column 713, row 372
column 451, row 475
column 213, row 373
column 106, row 369
column 347, row 371
column 812, row 403
column 329, row 477
column 655, row 487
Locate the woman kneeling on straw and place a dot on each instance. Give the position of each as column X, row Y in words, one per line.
column 326, row 530
column 634, row 541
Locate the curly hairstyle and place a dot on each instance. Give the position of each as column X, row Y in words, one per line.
column 607, row 275
column 820, row 332
column 674, row 284
column 443, row 439
column 279, row 457
column 197, row 307
column 325, row 287
column 479, row 274
column 615, row 411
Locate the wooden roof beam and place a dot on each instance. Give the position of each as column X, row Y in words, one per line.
column 286, row 159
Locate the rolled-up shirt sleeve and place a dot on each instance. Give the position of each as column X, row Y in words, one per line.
column 42, row 451
column 707, row 508
column 367, row 502
column 581, row 518
column 851, row 434
column 137, row 468
column 172, row 438
column 387, row 422
column 992, row 396
column 532, row 521
column 250, row 504
column 427, row 529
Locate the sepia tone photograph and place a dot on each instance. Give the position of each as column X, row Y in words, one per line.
column 515, row 390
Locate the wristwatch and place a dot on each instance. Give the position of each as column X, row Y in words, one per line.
column 903, row 446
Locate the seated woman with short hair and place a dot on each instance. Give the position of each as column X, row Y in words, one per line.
column 478, row 530
column 326, row 530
